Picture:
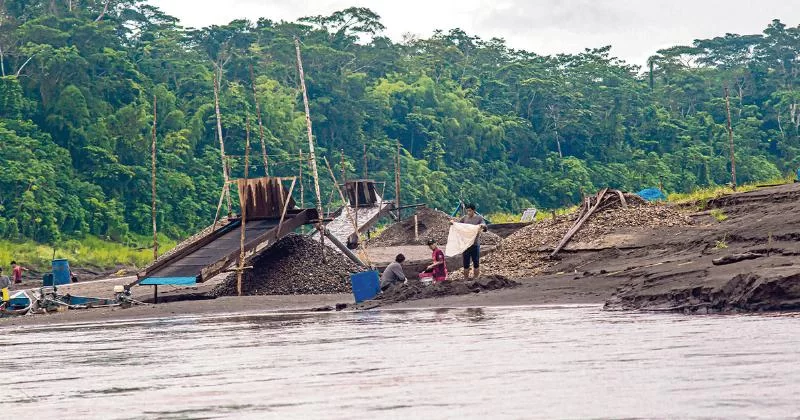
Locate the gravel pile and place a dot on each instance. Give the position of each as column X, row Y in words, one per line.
column 525, row 253
column 293, row 266
column 413, row 290
column 433, row 224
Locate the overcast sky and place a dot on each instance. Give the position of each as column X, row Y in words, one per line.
column 635, row 28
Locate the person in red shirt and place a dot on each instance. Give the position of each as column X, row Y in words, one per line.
column 16, row 272
column 439, row 265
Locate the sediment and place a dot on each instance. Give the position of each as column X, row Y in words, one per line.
column 293, row 266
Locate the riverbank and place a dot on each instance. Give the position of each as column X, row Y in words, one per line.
column 739, row 253
column 547, row 290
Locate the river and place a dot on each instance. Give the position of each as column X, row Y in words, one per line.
column 515, row 362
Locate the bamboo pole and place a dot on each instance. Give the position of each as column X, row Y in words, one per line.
column 730, row 139
column 397, row 181
column 285, row 206
column 365, row 161
column 260, row 125
column 302, row 190
column 341, row 195
column 153, row 179
column 416, row 228
column 312, row 157
column 243, row 201
column 341, row 166
column 225, row 177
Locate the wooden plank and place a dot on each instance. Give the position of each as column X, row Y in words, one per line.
column 576, row 227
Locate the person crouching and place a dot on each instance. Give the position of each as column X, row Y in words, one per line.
column 393, row 274
column 439, row 266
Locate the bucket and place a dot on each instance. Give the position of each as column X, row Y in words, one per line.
column 61, row 272
column 47, row 279
column 366, row 285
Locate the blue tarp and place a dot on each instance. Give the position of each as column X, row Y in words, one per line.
column 652, row 194
column 798, row 176
column 171, row 281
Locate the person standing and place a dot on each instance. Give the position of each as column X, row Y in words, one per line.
column 16, row 272
column 5, row 283
column 393, row 273
column 439, row 266
column 473, row 253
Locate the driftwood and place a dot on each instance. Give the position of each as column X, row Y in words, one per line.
column 581, row 220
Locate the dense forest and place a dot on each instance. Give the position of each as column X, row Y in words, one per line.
column 476, row 119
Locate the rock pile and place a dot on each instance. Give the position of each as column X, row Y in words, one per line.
column 293, row 266
column 432, row 224
column 415, row 289
column 525, row 253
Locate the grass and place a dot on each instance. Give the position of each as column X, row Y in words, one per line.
column 504, row 217
column 88, row 252
column 719, row 215
column 722, row 243
column 702, row 195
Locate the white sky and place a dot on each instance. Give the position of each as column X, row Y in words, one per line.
column 635, row 28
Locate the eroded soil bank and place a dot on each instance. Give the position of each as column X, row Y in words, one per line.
column 747, row 262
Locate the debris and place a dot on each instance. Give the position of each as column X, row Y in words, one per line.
column 734, row 258
column 292, row 266
column 525, row 253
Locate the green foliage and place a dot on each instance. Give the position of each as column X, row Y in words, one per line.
column 719, row 215
column 476, row 120
column 87, row 252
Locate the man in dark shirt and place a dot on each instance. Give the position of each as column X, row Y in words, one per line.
column 393, row 273
column 473, row 253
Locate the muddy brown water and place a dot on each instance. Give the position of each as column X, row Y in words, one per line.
column 518, row 362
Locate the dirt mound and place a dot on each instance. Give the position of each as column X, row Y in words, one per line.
column 293, row 266
column 525, row 253
column 414, row 289
column 745, row 292
column 433, row 224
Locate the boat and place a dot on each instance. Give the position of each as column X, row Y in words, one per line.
column 18, row 304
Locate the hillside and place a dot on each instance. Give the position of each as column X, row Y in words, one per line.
column 475, row 119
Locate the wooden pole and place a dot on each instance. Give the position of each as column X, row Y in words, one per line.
column 243, row 201
column 260, row 125
column 226, row 188
column 341, row 195
column 397, row 181
column 153, row 180
column 312, row 157
column 344, row 171
column 302, row 190
column 730, row 139
column 285, row 206
column 365, row 162
column 416, row 228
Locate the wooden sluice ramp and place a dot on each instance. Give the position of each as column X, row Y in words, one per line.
column 213, row 253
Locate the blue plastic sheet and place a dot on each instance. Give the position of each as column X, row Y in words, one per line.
column 652, row 194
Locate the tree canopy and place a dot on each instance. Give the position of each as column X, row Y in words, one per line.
column 476, row 119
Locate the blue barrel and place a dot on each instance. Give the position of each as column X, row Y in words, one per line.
column 366, row 285
column 798, row 176
column 47, row 279
column 61, row 272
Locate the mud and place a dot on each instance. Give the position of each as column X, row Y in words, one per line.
column 748, row 262
column 415, row 290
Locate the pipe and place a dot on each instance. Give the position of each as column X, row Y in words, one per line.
column 344, row 249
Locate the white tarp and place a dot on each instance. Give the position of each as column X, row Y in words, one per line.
column 461, row 237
